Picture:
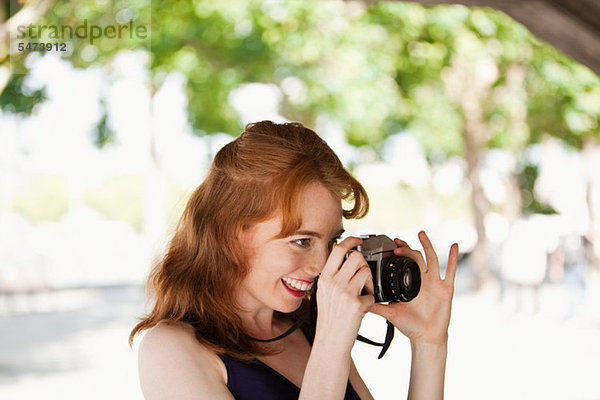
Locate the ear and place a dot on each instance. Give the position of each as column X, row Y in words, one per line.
column 242, row 233
column 244, row 236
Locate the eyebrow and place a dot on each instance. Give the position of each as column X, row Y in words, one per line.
column 317, row 234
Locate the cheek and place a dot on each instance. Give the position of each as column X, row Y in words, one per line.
column 273, row 262
column 279, row 265
column 263, row 268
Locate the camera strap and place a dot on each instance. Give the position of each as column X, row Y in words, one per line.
column 311, row 313
column 296, row 325
column 389, row 335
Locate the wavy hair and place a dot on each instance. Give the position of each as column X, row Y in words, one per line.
column 260, row 173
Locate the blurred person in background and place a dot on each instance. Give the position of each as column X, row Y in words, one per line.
column 252, row 239
column 572, row 258
column 524, row 263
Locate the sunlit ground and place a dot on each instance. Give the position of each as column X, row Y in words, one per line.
column 75, row 346
column 497, row 353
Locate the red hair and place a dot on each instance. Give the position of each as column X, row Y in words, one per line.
column 260, row 173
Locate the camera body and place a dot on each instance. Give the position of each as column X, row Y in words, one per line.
column 395, row 278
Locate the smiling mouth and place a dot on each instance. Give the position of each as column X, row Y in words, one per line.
column 294, row 292
column 297, row 285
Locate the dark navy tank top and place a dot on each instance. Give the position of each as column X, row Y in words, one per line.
column 257, row 381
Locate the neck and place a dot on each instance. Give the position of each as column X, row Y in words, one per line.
column 259, row 321
column 259, row 324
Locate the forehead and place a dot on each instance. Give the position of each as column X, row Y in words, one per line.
column 320, row 211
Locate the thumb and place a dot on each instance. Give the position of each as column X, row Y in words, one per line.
column 382, row 310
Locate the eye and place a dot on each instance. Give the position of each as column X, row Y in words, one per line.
column 302, row 242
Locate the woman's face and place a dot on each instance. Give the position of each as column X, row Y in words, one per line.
column 282, row 270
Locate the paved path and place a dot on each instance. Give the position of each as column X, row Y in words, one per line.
column 75, row 347
column 78, row 351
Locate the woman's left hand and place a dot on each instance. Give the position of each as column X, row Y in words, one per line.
column 425, row 319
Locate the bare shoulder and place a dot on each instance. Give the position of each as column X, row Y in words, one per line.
column 173, row 364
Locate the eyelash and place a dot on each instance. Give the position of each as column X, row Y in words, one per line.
column 334, row 240
column 300, row 240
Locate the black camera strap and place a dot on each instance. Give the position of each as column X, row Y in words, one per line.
column 296, row 325
column 311, row 314
column 389, row 335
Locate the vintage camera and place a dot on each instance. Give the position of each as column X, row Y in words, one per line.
column 395, row 278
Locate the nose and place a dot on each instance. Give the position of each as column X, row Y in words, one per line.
column 317, row 261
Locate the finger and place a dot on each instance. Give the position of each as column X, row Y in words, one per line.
column 370, row 286
column 350, row 266
column 414, row 255
column 338, row 254
column 367, row 301
column 401, row 243
column 452, row 260
column 362, row 279
column 383, row 310
column 432, row 259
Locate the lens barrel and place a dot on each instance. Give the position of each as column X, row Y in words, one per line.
column 400, row 279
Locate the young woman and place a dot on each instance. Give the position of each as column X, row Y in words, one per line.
column 241, row 264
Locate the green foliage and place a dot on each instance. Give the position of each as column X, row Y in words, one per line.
column 527, row 176
column 103, row 132
column 46, row 198
column 119, row 198
column 376, row 69
column 217, row 46
column 71, row 22
column 564, row 99
column 17, row 98
column 87, row 50
column 385, row 215
column 176, row 199
column 408, row 208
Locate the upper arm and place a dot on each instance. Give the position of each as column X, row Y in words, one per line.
column 358, row 384
column 174, row 365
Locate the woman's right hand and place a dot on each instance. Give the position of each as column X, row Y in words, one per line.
column 341, row 307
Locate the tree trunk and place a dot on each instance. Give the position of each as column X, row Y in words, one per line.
column 479, row 203
column 515, row 84
column 468, row 83
column 513, row 203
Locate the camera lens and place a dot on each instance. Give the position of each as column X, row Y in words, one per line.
column 407, row 280
column 400, row 279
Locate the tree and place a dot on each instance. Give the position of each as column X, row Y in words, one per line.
column 462, row 80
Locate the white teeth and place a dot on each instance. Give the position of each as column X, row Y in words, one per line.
column 298, row 285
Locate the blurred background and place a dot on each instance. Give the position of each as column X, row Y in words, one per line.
column 457, row 119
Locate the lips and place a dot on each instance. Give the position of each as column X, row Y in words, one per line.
column 296, row 287
column 298, row 284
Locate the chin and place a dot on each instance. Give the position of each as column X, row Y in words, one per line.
column 288, row 307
